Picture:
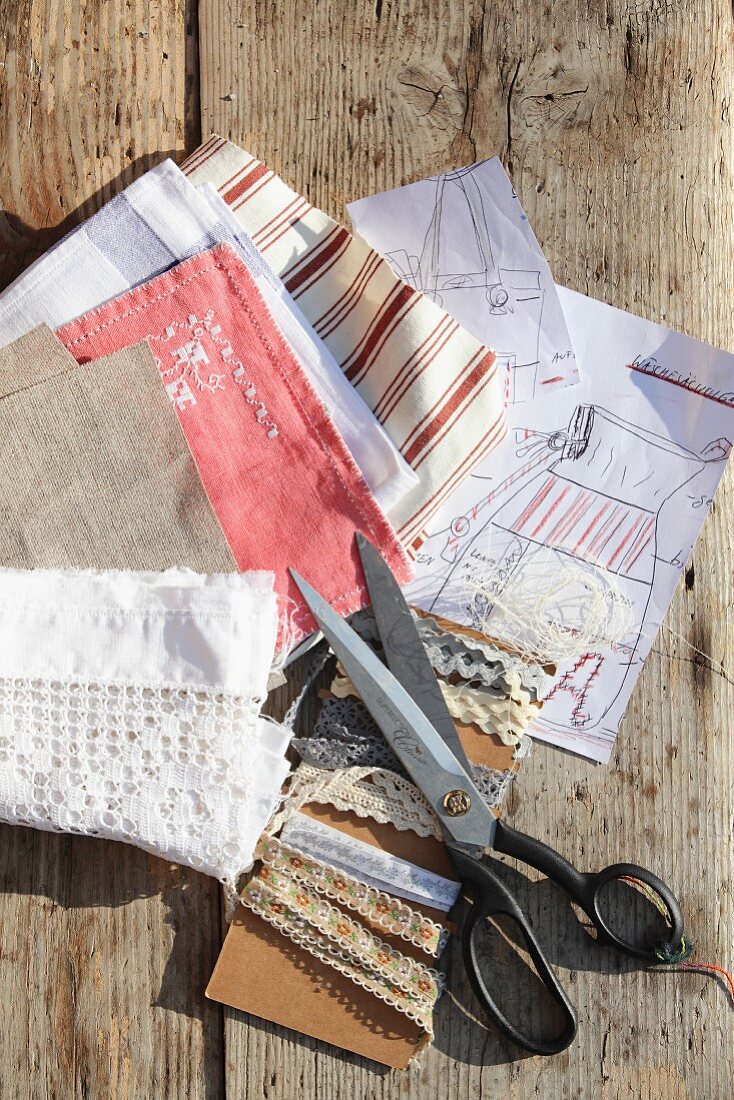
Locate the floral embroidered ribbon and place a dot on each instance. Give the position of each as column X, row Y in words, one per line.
column 330, row 934
column 352, row 937
column 291, row 925
column 378, row 907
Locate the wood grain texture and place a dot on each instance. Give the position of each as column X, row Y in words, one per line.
column 93, row 93
column 614, row 123
column 104, row 951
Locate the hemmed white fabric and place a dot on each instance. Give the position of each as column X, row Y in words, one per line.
column 175, row 758
column 177, row 628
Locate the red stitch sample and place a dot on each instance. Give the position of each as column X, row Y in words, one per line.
column 279, row 476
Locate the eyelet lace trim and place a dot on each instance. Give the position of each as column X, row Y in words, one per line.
column 182, row 774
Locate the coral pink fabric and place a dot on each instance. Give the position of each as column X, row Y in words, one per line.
column 279, row 476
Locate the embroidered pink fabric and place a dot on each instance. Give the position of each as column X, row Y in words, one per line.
column 283, row 484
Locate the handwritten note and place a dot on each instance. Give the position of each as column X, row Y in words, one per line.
column 617, row 473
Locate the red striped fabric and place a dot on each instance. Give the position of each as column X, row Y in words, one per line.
column 389, row 316
column 338, row 240
column 432, row 385
column 422, row 359
column 442, row 411
column 249, row 180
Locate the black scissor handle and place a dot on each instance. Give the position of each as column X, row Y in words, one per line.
column 491, row 898
column 586, row 890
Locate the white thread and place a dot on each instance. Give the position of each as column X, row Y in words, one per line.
column 549, row 615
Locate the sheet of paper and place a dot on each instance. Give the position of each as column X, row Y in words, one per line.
column 462, row 238
column 618, row 474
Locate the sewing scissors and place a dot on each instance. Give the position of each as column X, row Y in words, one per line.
column 406, row 702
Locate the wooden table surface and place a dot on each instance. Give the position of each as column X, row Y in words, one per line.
column 614, row 120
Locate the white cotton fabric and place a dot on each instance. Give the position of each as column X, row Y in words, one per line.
column 173, row 629
column 155, row 223
column 129, row 709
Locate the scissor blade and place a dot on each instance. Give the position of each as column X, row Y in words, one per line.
column 419, row 747
column 404, row 652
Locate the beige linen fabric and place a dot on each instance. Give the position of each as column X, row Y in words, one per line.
column 95, row 472
column 34, row 358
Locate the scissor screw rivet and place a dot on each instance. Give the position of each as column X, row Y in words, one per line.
column 456, row 803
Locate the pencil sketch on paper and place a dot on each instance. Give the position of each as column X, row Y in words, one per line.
column 463, row 239
column 474, row 282
column 592, row 493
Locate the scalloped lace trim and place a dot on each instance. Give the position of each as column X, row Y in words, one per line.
column 493, row 711
column 368, row 792
column 469, row 658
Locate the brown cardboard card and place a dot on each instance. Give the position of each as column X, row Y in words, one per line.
column 262, row 972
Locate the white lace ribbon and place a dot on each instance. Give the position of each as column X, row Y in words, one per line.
column 369, row 864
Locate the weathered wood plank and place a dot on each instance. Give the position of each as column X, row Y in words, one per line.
column 614, row 121
column 104, row 952
column 93, row 93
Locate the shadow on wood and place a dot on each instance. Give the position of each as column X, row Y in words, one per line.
column 69, row 881
column 22, row 244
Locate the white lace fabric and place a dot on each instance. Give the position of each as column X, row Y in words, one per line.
column 129, row 709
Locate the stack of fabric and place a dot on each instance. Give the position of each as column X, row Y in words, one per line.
column 205, row 384
column 129, row 709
